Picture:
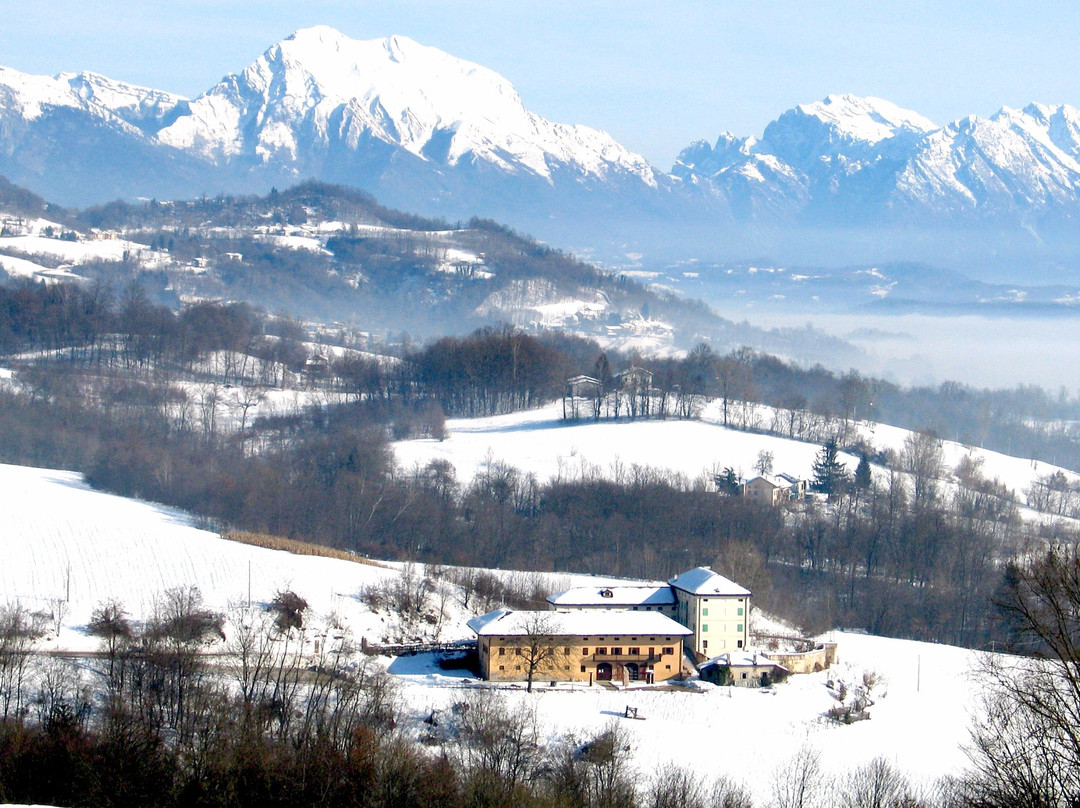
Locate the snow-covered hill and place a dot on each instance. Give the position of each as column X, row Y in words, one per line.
column 64, row 540
column 541, row 442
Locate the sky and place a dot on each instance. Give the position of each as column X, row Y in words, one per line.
column 657, row 76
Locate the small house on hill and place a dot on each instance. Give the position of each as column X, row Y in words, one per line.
column 774, row 489
column 634, row 379
column 582, row 646
column 582, row 397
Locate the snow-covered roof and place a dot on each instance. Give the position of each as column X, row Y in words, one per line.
column 614, row 596
column 744, row 658
column 477, row 624
column 703, row 581
column 504, row 622
column 776, row 480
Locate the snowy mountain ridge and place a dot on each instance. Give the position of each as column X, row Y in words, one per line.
column 425, row 131
column 865, row 158
column 319, row 87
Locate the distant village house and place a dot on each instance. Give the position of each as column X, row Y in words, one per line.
column 774, row 489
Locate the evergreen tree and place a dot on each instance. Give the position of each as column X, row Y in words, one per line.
column 862, row 474
column 726, row 482
column 829, row 473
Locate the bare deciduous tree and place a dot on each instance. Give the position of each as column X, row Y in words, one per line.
column 1026, row 748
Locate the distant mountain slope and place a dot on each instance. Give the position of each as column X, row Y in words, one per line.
column 331, row 254
column 418, row 127
column 428, row 132
column 851, row 159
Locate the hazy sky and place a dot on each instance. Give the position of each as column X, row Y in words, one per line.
column 656, row 75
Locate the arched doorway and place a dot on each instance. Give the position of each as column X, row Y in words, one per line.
column 603, row 672
column 632, row 671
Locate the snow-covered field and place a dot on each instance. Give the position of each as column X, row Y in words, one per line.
column 541, row 442
column 62, row 539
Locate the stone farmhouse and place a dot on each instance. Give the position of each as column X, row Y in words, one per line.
column 774, row 489
column 621, row 633
column 584, row 646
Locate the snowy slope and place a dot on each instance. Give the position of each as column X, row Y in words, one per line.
column 759, row 731
column 541, row 442
column 61, row 537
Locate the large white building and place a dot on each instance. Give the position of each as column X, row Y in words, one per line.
column 715, row 609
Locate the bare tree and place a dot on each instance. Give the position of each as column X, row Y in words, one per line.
column 922, row 458
column 109, row 622
column 799, row 783
column 764, row 464
column 19, row 632
column 875, row 785
column 1026, row 748
column 537, row 645
column 673, row 786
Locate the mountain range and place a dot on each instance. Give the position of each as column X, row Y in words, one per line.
column 425, row 131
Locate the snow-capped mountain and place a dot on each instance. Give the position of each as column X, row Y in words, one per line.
column 430, row 133
column 318, row 91
column 410, row 123
column 865, row 159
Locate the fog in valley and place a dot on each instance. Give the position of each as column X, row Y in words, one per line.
column 919, row 349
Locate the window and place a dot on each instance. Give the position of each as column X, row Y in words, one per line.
column 705, row 612
column 740, row 643
column 740, row 611
column 502, row 651
column 635, row 652
column 502, row 667
column 601, row 651
column 583, row 669
column 744, row 676
column 517, row 667
column 704, row 644
column 585, row 651
column 667, row 667
column 566, row 651
column 739, row 628
column 704, row 626
column 517, row 652
column 667, row 650
column 617, row 651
